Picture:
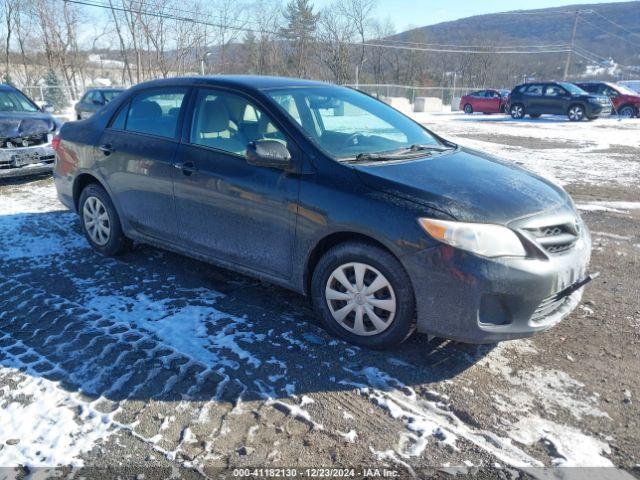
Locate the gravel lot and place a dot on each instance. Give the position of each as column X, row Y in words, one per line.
column 159, row 365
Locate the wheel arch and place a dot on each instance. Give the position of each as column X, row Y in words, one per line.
column 80, row 183
column 329, row 241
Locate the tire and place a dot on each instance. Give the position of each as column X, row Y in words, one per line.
column 468, row 109
column 517, row 111
column 107, row 238
column 534, row 115
column 627, row 111
column 576, row 113
column 394, row 299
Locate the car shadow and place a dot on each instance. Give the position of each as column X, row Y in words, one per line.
column 153, row 325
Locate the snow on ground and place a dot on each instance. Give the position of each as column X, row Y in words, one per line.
column 576, row 152
column 151, row 332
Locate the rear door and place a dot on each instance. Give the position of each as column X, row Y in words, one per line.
column 138, row 149
column 532, row 97
column 226, row 208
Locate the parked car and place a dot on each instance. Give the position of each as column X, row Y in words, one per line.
column 556, row 98
column 631, row 84
column 334, row 194
column 485, row 101
column 626, row 102
column 26, row 132
column 93, row 99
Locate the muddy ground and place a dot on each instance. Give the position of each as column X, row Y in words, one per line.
column 157, row 365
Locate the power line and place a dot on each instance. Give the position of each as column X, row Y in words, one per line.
column 610, row 33
column 615, row 24
column 447, row 50
column 473, row 46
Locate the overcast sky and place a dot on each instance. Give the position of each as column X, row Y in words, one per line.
column 416, row 13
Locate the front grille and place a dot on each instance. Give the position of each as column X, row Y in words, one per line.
column 547, row 307
column 556, row 239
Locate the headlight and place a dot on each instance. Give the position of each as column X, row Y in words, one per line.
column 480, row 238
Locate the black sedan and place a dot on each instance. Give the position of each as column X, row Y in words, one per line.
column 331, row 193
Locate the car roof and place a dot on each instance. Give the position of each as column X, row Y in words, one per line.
column 4, row 86
column 244, row 82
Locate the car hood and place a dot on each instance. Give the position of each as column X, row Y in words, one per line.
column 24, row 124
column 467, row 185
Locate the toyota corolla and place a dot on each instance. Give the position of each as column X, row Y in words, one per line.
column 324, row 190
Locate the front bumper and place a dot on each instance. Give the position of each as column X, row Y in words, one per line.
column 473, row 299
column 25, row 161
column 598, row 109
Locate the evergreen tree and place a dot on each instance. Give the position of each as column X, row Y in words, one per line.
column 252, row 52
column 54, row 93
column 301, row 26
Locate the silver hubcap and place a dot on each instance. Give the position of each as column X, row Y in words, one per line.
column 516, row 112
column 360, row 299
column 96, row 220
column 575, row 113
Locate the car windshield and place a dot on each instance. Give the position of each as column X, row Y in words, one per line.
column 110, row 94
column 573, row 89
column 624, row 90
column 348, row 124
column 14, row 101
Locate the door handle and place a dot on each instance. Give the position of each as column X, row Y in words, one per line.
column 187, row 168
column 107, row 149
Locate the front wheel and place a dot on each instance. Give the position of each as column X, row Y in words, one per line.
column 517, row 111
column 363, row 295
column 576, row 113
column 100, row 222
column 468, row 109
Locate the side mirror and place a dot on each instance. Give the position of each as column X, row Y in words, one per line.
column 47, row 108
column 268, row 153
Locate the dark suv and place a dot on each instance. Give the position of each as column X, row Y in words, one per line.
column 331, row 193
column 557, row 98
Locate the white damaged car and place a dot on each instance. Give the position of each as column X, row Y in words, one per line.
column 26, row 133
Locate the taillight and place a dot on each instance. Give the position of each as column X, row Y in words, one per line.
column 55, row 142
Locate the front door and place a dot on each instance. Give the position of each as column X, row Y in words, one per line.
column 556, row 99
column 138, row 149
column 225, row 207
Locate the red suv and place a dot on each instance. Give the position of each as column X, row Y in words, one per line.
column 626, row 102
column 485, row 101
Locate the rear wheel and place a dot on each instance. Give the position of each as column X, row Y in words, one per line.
column 628, row 111
column 576, row 113
column 517, row 111
column 362, row 294
column 468, row 109
column 100, row 222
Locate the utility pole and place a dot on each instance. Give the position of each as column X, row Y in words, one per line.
column 571, row 43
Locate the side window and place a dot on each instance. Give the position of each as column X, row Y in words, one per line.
column 609, row 92
column 534, row 90
column 229, row 122
column 554, row 91
column 154, row 112
column 120, row 119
